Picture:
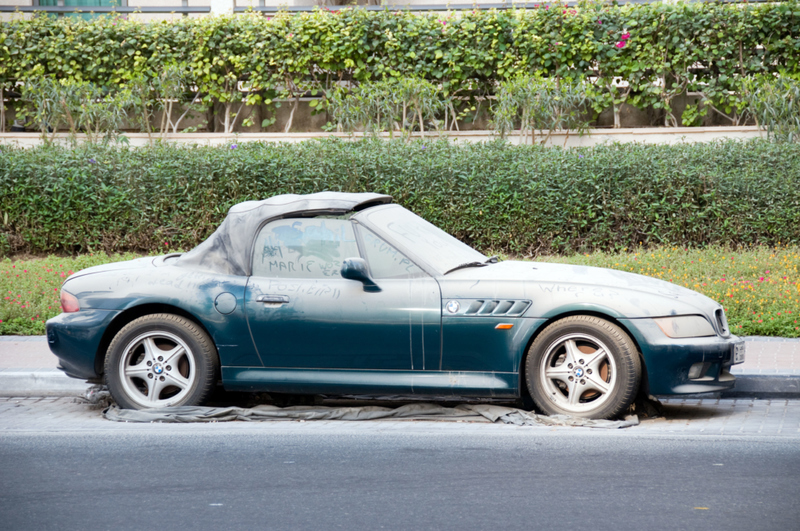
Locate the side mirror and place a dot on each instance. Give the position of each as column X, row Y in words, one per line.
column 356, row 269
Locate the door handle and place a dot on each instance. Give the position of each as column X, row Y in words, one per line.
column 272, row 299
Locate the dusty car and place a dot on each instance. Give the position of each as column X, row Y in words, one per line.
column 334, row 293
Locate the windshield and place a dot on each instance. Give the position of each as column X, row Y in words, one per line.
column 420, row 238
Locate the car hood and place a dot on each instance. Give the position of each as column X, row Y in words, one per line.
column 555, row 288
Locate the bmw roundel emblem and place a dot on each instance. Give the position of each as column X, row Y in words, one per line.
column 578, row 372
column 453, row 306
column 157, row 369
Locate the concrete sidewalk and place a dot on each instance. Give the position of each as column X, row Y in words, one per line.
column 28, row 368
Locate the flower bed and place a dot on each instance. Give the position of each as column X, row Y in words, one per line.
column 759, row 288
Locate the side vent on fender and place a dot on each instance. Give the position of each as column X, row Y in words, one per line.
column 497, row 308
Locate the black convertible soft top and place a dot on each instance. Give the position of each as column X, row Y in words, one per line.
column 227, row 250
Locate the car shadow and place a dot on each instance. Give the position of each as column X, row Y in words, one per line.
column 693, row 410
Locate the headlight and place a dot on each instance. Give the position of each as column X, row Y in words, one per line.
column 685, row 326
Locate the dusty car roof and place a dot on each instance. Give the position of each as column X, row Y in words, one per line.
column 227, row 250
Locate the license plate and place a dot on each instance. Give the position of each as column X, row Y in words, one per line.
column 738, row 352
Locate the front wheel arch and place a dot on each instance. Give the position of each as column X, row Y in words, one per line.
column 525, row 392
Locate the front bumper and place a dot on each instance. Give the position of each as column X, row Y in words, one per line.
column 75, row 337
column 669, row 361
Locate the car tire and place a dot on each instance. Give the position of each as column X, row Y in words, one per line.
column 161, row 360
column 583, row 366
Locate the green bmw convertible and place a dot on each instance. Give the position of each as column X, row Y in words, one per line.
column 340, row 294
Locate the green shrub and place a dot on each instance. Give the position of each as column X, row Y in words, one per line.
column 659, row 50
column 495, row 196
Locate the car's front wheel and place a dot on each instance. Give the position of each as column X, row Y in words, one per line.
column 583, row 366
column 161, row 360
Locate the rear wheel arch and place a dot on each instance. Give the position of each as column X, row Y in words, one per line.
column 131, row 314
column 160, row 360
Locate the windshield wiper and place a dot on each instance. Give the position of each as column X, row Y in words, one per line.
column 490, row 260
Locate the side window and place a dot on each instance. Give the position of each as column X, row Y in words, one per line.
column 384, row 260
column 304, row 248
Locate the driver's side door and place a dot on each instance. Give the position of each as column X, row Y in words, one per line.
column 302, row 314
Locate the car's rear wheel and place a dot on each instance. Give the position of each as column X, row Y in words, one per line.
column 161, row 360
column 583, row 366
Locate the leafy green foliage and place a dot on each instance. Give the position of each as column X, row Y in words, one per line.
column 540, row 103
column 386, row 106
column 641, row 54
column 775, row 103
column 518, row 199
column 77, row 105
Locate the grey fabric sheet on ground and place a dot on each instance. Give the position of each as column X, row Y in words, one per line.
column 465, row 412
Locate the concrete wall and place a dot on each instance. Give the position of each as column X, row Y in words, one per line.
column 226, row 6
column 651, row 135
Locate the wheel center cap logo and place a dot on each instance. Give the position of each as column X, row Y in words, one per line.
column 157, row 368
column 453, row 306
column 579, row 372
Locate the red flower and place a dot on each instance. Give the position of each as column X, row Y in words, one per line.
column 625, row 36
column 620, row 44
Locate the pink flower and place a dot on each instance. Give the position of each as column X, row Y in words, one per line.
column 620, row 44
column 625, row 36
column 761, row 279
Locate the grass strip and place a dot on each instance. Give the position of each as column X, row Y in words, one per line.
column 759, row 287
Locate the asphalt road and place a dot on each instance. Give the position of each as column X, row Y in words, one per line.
column 391, row 475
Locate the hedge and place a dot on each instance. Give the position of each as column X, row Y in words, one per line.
column 659, row 49
column 495, row 196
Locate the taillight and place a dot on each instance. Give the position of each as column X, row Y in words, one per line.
column 69, row 303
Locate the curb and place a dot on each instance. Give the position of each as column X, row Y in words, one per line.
column 764, row 386
column 53, row 382
column 39, row 382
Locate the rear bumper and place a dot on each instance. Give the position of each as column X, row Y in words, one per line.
column 75, row 337
column 669, row 361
